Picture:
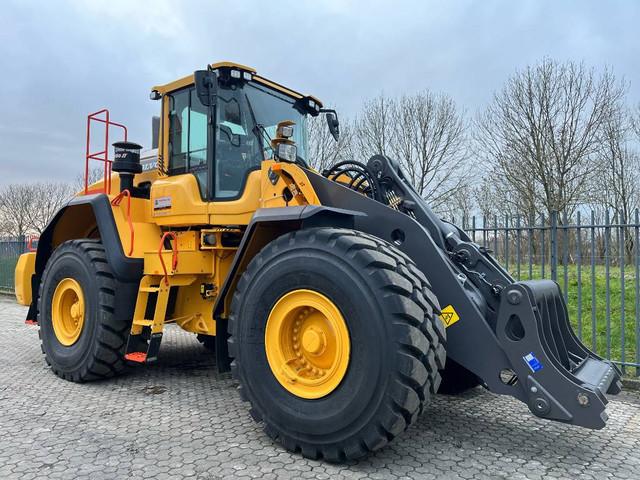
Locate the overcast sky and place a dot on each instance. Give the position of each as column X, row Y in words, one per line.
column 61, row 60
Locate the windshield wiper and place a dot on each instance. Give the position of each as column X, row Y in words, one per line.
column 258, row 129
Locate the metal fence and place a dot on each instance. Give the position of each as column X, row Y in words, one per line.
column 596, row 260
column 10, row 249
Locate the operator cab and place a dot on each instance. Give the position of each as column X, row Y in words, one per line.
column 244, row 111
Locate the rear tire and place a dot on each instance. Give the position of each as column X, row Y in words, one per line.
column 98, row 351
column 397, row 342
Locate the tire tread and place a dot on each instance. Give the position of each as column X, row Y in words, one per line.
column 421, row 337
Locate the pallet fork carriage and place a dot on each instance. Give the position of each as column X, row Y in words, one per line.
column 338, row 299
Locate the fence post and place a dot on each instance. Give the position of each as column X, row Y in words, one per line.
column 543, row 247
column 518, row 239
column 607, row 280
column 579, row 271
column 565, row 255
column 621, row 254
column 593, row 283
column 473, row 228
column 506, row 241
column 553, row 234
column 637, row 289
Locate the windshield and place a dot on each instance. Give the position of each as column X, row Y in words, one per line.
column 270, row 108
column 247, row 119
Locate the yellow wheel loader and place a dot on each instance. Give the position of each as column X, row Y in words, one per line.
column 338, row 299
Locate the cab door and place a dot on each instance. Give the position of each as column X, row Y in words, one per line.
column 238, row 154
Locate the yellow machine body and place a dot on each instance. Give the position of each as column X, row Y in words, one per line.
column 201, row 268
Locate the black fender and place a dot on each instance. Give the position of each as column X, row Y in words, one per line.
column 266, row 225
column 125, row 269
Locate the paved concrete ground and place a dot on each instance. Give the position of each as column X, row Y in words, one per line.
column 178, row 419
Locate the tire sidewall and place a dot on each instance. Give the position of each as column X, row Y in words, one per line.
column 67, row 263
column 349, row 407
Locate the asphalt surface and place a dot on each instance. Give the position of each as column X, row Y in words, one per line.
column 178, row 418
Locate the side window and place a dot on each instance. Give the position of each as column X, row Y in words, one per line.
column 188, row 137
column 178, row 132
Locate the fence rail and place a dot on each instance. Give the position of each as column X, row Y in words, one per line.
column 595, row 258
column 596, row 263
column 10, row 249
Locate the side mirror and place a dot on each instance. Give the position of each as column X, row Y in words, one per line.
column 333, row 123
column 206, row 83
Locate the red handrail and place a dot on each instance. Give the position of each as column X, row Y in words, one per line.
column 101, row 116
column 174, row 257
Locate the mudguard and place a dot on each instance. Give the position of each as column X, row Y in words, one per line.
column 267, row 224
column 125, row 269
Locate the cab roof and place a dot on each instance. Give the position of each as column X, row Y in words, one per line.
column 188, row 80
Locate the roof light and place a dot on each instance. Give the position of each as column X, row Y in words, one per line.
column 235, row 74
column 247, row 76
column 285, row 131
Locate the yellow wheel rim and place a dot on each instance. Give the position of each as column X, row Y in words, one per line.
column 67, row 311
column 307, row 344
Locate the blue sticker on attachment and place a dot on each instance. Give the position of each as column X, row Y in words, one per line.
column 533, row 362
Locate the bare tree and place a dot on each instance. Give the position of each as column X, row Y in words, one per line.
column 49, row 197
column 374, row 128
column 27, row 208
column 617, row 184
column 489, row 197
column 425, row 133
column 16, row 207
column 460, row 206
column 323, row 150
column 635, row 122
column 95, row 175
column 542, row 132
column 429, row 140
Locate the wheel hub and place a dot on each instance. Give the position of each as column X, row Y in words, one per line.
column 313, row 341
column 67, row 311
column 307, row 343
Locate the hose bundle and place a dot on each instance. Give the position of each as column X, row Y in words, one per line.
column 356, row 176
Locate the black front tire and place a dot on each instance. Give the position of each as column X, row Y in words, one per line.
column 99, row 351
column 397, row 341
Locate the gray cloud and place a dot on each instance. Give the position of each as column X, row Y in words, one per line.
column 63, row 60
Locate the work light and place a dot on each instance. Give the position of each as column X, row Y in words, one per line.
column 286, row 152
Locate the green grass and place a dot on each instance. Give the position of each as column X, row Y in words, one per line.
column 580, row 313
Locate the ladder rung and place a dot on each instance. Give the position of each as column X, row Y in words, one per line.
column 150, row 289
column 143, row 322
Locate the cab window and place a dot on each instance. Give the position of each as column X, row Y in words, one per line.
column 188, row 137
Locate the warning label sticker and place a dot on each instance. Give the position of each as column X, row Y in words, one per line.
column 449, row 315
column 161, row 203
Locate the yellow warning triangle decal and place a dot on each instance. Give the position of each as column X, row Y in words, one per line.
column 449, row 315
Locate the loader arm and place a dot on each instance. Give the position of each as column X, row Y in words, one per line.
column 515, row 336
